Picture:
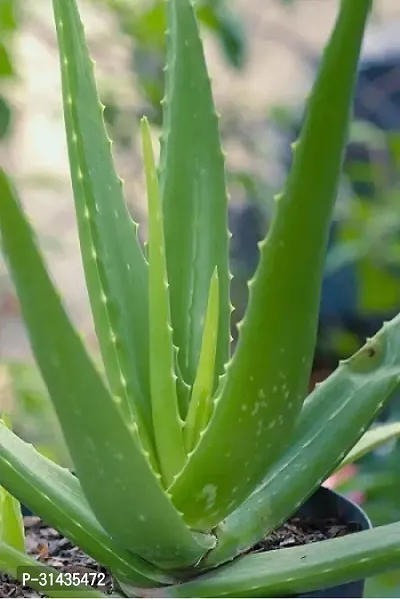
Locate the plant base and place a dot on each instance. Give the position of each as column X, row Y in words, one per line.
column 325, row 515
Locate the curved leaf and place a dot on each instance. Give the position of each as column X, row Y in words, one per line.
column 267, row 380
column 55, row 495
column 12, row 530
column 115, row 268
column 200, row 407
column 193, row 186
column 334, row 418
column 289, row 572
column 165, row 411
column 11, row 521
column 372, row 439
column 103, row 443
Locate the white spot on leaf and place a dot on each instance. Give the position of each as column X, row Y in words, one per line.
column 209, row 493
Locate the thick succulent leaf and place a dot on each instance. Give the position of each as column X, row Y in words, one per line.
column 267, row 379
column 291, row 571
column 104, row 444
column 55, row 495
column 115, row 268
column 372, row 439
column 200, row 407
column 12, row 530
column 164, row 401
column 11, row 521
column 15, row 563
column 183, row 390
column 334, row 418
column 192, row 176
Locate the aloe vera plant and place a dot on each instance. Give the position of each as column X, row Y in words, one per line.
column 185, row 455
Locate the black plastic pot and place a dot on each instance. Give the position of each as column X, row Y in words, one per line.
column 328, row 504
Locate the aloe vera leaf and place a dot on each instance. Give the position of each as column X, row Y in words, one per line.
column 267, row 379
column 200, row 407
column 372, row 440
column 193, row 188
column 12, row 530
column 289, row 572
column 165, row 412
column 114, row 265
column 182, row 389
column 15, row 563
column 97, row 432
column 338, row 413
column 55, row 495
column 11, row 521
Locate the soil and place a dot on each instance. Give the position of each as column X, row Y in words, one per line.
column 48, row 547
column 299, row 531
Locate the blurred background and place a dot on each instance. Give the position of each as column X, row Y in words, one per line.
column 262, row 56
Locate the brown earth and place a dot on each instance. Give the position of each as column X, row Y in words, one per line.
column 50, row 548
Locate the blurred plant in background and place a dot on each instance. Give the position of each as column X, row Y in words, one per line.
column 8, row 26
column 143, row 22
column 9, row 21
column 24, row 397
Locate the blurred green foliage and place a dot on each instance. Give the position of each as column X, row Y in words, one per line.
column 144, row 23
column 31, row 411
column 8, row 26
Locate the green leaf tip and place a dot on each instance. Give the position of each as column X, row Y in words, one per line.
column 200, row 407
column 267, row 378
column 165, row 411
column 113, row 261
column 194, row 194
